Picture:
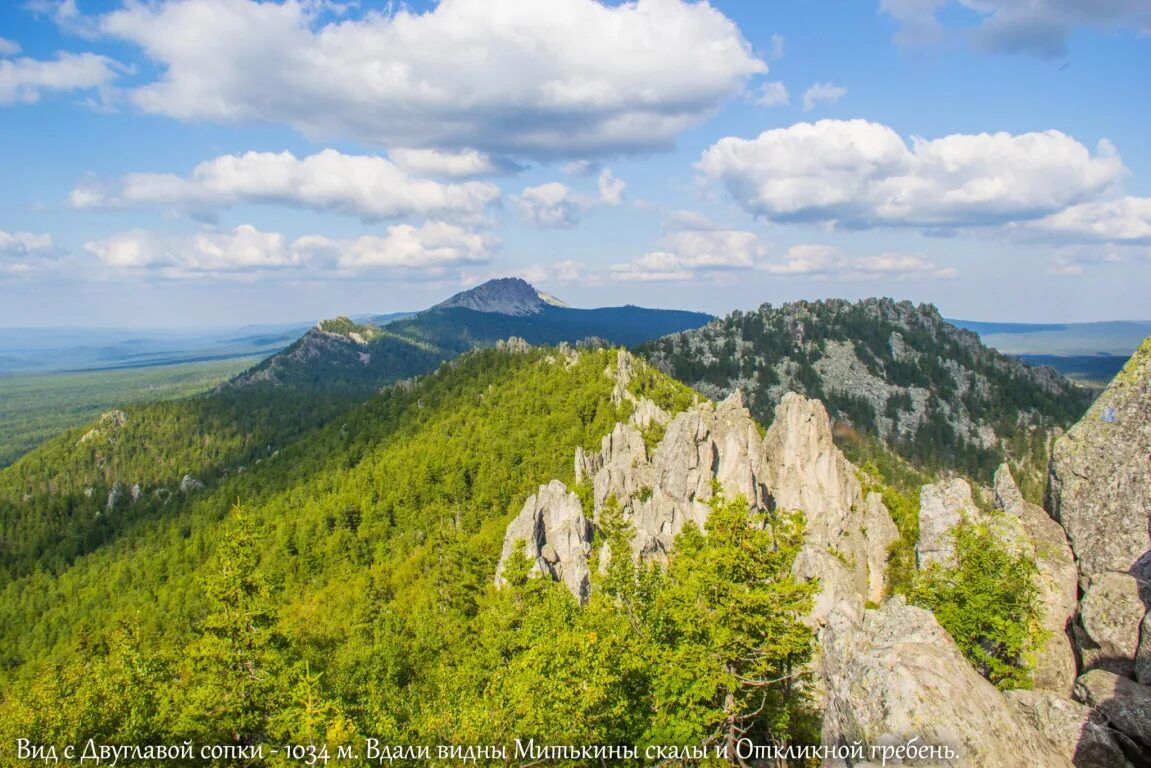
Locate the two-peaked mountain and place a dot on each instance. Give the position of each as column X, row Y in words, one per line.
column 342, row 356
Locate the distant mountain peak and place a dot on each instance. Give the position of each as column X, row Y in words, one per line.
column 504, row 296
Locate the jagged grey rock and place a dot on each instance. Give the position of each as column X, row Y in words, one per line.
column 880, row 533
column 896, row 674
column 1078, row 731
column 805, row 471
column 1110, row 615
column 1098, row 486
column 504, row 295
column 942, row 506
column 1125, row 703
column 556, row 535
column 1057, row 581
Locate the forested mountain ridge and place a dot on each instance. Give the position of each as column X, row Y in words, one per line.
column 361, row 565
column 890, row 369
column 345, row 357
column 85, row 487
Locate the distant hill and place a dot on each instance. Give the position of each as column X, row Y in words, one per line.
column 1090, row 353
column 898, row 372
column 344, row 356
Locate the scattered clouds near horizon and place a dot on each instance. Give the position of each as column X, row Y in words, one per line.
column 24, row 243
column 1122, row 220
column 1037, row 27
column 695, row 254
column 428, row 251
column 370, row 187
column 23, row 80
column 822, row 93
column 555, row 205
column 829, row 261
column 568, row 78
column 23, row 254
column 857, row 174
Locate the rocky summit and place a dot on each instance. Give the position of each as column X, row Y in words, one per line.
column 505, row 296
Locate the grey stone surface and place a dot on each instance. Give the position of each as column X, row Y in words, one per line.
column 896, row 674
column 556, row 535
column 1124, row 703
column 1099, row 488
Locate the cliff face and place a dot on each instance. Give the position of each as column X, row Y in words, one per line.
column 1100, row 476
column 1099, row 490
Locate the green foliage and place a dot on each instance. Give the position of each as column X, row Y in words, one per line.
column 351, row 595
column 34, row 408
column 988, row 602
column 727, row 632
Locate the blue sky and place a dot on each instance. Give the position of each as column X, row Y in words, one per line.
column 222, row 162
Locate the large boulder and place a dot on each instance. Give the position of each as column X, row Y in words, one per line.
column 1057, row 581
column 1110, row 615
column 556, row 535
column 1078, row 731
column 942, row 506
column 896, row 674
column 1125, row 704
column 1098, row 487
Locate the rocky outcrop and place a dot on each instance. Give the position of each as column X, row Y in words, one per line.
column 1080, row 733
column 942, row 506
column 1124, row 703
column 1110, row 614
column 1057, row 581
column 805, row 471
column 660, row 488
column 1098, row 485
column 556, row 535
column 896, row 674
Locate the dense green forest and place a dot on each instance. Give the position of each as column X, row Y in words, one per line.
column 335, row 584
column 347, row 593
column 34, row 408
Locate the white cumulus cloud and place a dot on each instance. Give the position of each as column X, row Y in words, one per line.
column 245, row 250
column 1122, row 220
column 466, row 163
column 517, row 77
column 24, row 80
column 369, row 187
column 695, row 254
column 822, row 93
column 549, row 206
column 857, row 173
